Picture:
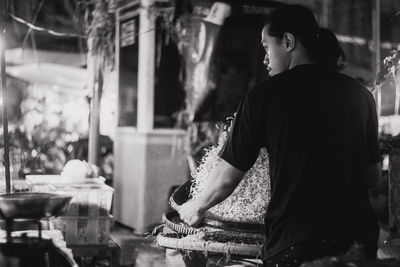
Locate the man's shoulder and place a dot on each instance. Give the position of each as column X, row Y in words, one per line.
column 268, row 85
column 352, row 84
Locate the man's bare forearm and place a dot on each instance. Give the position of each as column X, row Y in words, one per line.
column 221, row 183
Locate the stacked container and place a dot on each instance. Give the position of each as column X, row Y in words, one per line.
column 87, row 220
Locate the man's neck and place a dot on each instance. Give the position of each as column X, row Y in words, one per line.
column 299, row 57
column 299, row 61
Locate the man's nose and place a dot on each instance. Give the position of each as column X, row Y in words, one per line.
column 266, row 60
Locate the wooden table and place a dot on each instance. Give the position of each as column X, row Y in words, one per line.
column 110, row 252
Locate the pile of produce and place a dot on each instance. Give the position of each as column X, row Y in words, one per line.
column 79, row 169
column 248, row 203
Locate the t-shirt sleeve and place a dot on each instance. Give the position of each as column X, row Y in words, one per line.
column 373, row 155
column 242, row 146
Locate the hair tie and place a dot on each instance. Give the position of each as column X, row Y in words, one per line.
column 317, row 35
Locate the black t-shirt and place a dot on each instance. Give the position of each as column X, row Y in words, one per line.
column 320, row 130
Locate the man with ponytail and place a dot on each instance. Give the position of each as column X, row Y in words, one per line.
column 320, row 129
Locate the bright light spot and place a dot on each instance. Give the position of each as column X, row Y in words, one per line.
column 1, row 101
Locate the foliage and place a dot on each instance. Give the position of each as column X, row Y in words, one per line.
column 44, row 132
column 50, row 133
column 91, row 19
column 36, row 153
column 392, row 62
column 101, row 30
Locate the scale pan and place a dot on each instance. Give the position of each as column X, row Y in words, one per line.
column 33, row 205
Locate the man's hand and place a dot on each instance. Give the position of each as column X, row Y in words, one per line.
column 190, row 213
column 222, row 181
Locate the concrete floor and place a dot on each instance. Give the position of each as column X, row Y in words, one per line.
column 134, row 251
column 137, row 250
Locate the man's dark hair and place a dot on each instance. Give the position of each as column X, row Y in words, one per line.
column 321, row 44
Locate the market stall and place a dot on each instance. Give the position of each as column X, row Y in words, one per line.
column 73, row 207
column 27, row 248
column 50, row 220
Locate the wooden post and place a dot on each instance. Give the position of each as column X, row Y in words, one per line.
column 95, row 83
column 326, row 13
column 4, row 96
column 145, row 118
column 376, row 28
column 376, row 51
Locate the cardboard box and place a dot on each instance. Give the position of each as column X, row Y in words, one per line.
column 88, row 200
column 84, row 230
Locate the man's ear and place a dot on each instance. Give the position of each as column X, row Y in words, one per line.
column 289, row 41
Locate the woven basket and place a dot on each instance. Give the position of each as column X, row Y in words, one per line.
column 172, row 220
column 173, row 224
column 181, row 195
column 214, row 247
